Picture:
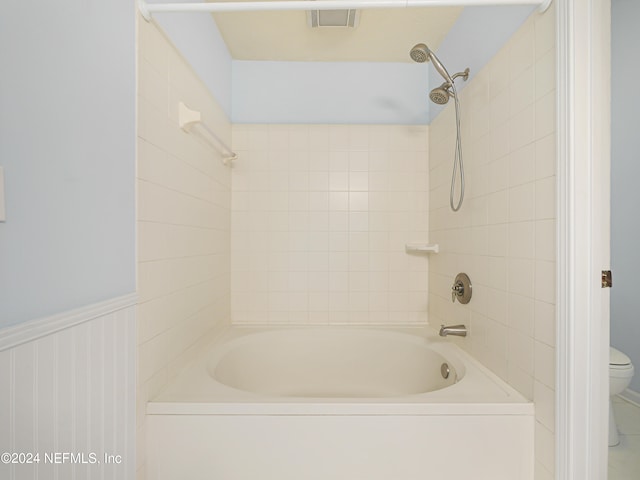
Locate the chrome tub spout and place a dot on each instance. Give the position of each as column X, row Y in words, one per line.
column 458, row 330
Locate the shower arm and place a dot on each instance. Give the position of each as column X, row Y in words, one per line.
column 464, row 74
column 447, row 85
column 146, row 9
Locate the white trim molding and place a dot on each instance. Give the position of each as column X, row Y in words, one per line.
column 68, row 384
column 15, row 335
column 583, row 29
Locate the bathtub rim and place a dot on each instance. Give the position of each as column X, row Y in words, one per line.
column 321, row 334
column 480, row 392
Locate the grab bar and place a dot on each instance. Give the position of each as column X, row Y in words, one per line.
column 187, row 118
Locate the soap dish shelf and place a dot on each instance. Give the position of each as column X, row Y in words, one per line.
column 422, row 248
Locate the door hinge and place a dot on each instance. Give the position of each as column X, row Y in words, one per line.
column 606, row 279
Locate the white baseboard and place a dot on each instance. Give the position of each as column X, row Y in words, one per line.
column 631, row 396
column 15, row 335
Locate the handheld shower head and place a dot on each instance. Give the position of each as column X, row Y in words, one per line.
column 441, row 94
column 420, row 53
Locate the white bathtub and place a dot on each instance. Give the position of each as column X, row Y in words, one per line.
column 338, row 403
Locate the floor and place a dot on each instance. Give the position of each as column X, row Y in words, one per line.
column 624, row 459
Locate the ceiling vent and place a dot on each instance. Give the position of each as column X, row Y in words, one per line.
column 333, row 18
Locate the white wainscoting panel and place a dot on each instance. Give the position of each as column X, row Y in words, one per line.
column 68, row 394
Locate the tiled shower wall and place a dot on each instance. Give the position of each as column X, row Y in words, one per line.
column 321, row 216
column 504, row 235
column 183, row 220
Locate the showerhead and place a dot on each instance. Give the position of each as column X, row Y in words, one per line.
column 420, row 53
column 441, row 94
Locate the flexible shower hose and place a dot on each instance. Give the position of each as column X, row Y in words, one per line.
column 457, row 161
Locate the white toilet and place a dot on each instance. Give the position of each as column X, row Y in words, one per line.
column 620, row 375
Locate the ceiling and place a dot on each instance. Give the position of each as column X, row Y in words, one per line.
column 383, row 35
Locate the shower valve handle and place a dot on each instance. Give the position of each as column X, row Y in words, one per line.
column 457, row 290
column 461, row 288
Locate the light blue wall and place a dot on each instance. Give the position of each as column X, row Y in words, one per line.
column 383, row 93
column 67, row 145
column 336, row 92
column 625, row 175
column 330, row 92
column 198, row 39
column 478, row 34
column 67, row 132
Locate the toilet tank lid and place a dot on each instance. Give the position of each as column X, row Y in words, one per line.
column 616, row 357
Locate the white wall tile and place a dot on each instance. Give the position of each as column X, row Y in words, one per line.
column 545, row 115
column 522, row 127
column 498, row 206
column 497, row 272
column 498, row 72
column 508, row 116
column 541, row 473
column 545, row 32
column 545, row 73
column 545, row 240
column 522, row 236
column 522, row 50
column 545, row 323
column 545, row 446
column 544, row 398
column 522, row 203
column 360, row 189
column 545, row 283
column 499, row 110
column 545, row 157
column 154, row 47
column 546, row 198
column 184, row 213
column 318, row 137
column 520, row 380
column 522, row 91
column 521, row 277
column 545, row 365
column 522, row 165
column 497, row 146
column 521, row 351
column 521, row 314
